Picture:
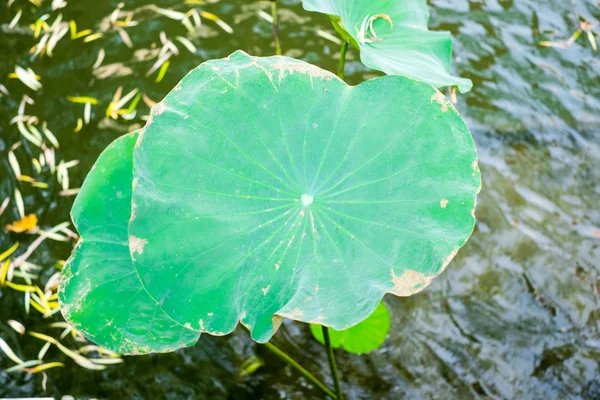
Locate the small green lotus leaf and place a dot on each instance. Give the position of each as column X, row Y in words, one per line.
column 268, row 188
column 363, row 337
column 392, row 36
column 101, row 293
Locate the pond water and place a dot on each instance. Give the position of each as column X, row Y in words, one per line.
column 517, row 313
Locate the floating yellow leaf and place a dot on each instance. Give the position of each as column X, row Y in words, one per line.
column 82, row 99
column 9, row 353
column 4, row 271
column 79, row 125
column 78, row 358
column 8, row 252
column 93, row 37
column 24, row 224
column 17, row 326
column 20, row 288
column 46, row 366
column 163, row 71
column 37, row 306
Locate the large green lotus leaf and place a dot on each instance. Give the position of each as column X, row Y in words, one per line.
column 406, row 47
column 363, row 337
column 101, row 293
column 268, row 188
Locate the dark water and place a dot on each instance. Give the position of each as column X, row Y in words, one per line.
column 515, row 316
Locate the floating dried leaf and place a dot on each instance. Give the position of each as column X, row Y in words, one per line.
column 187, row 44
column 79, row 125
column 8, row 351
column 79, row 359
column 4, row 272
column 19, row 287
column 44, row 367
column 49, row 135
column 93, row 37
column 15, row 20
column 26, row 223
column 8, row 252
column 217, row 20
column 17, row 326
column 99, row 59
column 87, row 113
column 82, row 99
column 19, row 203
column 23, row 365
column 14, row 164
column 163, row 71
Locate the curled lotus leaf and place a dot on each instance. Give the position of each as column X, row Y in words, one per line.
column 266, row 188
column 392, row 37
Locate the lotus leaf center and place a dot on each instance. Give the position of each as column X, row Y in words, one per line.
column 306, row 200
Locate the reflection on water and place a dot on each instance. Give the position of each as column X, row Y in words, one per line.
column 517, row 313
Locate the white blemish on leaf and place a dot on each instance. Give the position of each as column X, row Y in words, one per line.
column 320, row 318
column 140, row 137
column 136, row 245
column 409, row 283
column 312, row 71
column 443, row 203
column 449, row 258
column 312, row 222
column 475, row 164
column 201, row 323
column 266, row 290
column 277, row 320
column 210, row 314
column 441, row 100
column 295, row 313
column 133, row 207
column 158, row 109
column 187, row 325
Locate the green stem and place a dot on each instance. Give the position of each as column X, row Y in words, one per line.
column 300, row 369
column 331, row 358
column 275, row 27
column 342, row 59
column 279, row 353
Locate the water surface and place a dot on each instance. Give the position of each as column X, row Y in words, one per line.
column 515, row 316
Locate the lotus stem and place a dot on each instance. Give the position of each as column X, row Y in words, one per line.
column 275, row 27
column 300, row 369
column 331, row 358
column 342, row 59
column 285, row 357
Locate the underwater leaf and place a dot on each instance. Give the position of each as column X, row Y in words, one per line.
column 363, row 337
column 392, row 37
column 268, row 188
column 100, row 291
